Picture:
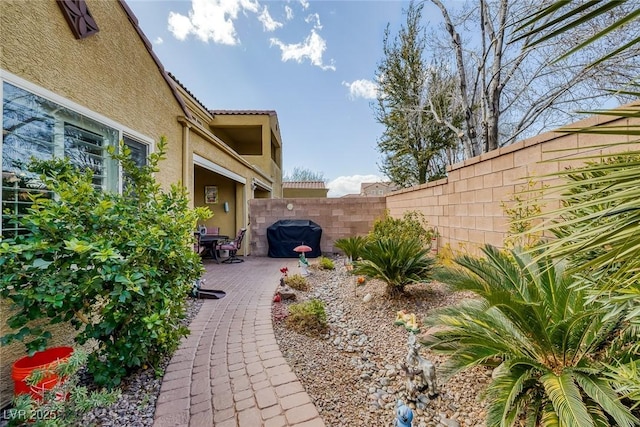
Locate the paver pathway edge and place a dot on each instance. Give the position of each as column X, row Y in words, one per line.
column 229, row 372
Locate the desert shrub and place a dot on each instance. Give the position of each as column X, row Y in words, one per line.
column 522, row 208
column 396, row 262
column 411, row 226
column 352, row 246
column 325, row 263
column 297, row 282
column 308, row 317
column 118, row 267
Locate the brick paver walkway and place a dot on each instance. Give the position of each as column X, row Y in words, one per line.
column 229, row 372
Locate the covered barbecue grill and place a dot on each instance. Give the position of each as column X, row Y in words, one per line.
column 284, row 235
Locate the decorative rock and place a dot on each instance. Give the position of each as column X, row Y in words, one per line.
column 286, row 293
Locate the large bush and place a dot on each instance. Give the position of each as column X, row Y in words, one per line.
column 412, row 225
column 117, row 266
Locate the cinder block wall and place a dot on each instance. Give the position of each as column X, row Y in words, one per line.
column 340, row 217
column 466, row 206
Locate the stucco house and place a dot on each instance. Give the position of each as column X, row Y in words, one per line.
column 80, row 76
column 376, row 189
column 304, row 189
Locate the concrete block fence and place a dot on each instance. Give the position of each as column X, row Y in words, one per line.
column 339, row 217
column 467, row 206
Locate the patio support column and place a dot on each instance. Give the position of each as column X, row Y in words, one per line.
column 187, row 175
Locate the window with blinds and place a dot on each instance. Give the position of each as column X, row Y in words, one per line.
column 35, row 127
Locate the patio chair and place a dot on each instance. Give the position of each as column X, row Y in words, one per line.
column 233, row 247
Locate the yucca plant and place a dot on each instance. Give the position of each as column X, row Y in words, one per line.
column 396, row 262
column 352, row 246
column 550, row 348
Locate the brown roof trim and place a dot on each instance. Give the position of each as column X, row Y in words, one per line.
column 244, row 112
column 147, row 44
column 179, row 83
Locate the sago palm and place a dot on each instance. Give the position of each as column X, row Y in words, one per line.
column 398, row 262
column 548, row 346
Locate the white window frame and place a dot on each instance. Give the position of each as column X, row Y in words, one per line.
column 121, row 129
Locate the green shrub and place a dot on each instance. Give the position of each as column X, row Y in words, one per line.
column 352, row 246
column 412, row 225
column 396, row 262
column 50, row 410
column 325, row 263
column 297, row 282
column 308, row 317
column 117, row 266
column 553, row 350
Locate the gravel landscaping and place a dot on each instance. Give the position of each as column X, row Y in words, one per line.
column 354, row 372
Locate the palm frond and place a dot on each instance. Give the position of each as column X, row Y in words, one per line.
column 600, row 391
column 541, row 26
column 566, row 400
column 508, row 396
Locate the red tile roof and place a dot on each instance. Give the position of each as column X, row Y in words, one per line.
column 243, row 112
column 304, row 184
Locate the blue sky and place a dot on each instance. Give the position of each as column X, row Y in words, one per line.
column 313, row 62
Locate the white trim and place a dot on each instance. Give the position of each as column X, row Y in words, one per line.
column 208, row 164
column 52, row 96
column 262, row 185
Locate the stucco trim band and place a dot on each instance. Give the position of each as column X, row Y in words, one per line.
column 208, row 164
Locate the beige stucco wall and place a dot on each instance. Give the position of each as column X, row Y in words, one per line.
column 466, row 206
column 292, row 193
column 110, row 73
column 337, row 217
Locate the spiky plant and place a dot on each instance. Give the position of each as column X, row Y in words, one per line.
column 551, row 349
column 352, row 246
column 396, row 262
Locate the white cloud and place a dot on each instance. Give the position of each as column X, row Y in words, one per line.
column 312, row 49
column 289, row 13
column 158, row 40
column 268, row 23
column 305, row 4
column 362, row 89
column 314, row 17
column 211, row 20
column 349, row 184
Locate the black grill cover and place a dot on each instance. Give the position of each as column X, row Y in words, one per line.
column 286, row 234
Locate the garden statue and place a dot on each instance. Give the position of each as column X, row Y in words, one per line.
column 302, row 259
column 421, row 373
column 304, row 265
column 408, row 320
column 404, row 415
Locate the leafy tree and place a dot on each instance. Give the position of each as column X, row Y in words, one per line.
column 302, row 174
column 413, row 100
column 551, row 350
column 509, row 91
column 116, row 266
